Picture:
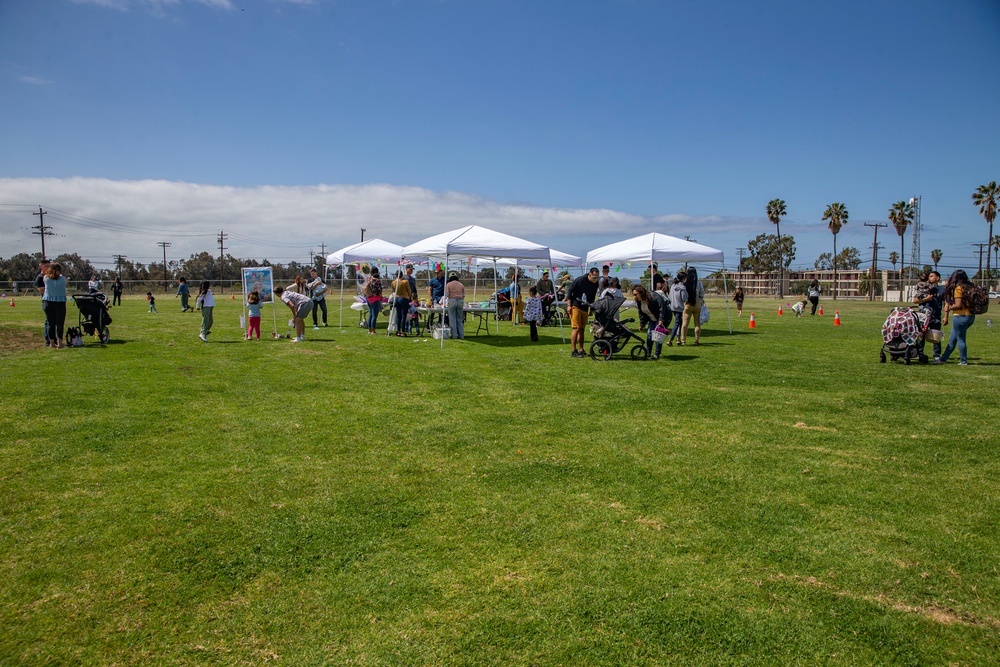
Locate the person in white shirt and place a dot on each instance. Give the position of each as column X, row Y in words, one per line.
column 300, row 305
column 206, row 303
column 799, row 307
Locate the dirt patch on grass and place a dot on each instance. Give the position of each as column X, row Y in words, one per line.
column 942, row 615
column 13, row 341
column 813, row 428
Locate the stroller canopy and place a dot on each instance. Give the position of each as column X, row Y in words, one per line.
column 606, row 308
column 905, row 324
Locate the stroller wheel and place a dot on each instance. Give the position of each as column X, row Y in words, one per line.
column 104, row 336
column 923, row 359
column 600, row 350
column 639, row 353
column 881, row 357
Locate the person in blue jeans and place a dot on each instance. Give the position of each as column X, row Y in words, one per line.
column 961, row 317
column 653, row 312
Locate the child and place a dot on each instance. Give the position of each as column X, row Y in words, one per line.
column 152, row 303
column 206, row 303
column 533, row 312
column 253, row 320
column 799, row 307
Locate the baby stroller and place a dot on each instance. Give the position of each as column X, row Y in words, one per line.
column 504, row 306
column 548, row 310
column 901, row 334
column 94, row 317
column 610, row 335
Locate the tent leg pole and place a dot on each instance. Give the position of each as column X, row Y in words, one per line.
column 725, row 284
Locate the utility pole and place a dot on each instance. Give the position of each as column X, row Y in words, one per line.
column 871, row 283
column 119, row 259
column 222, row 258
column 164, row 245
column 739, row 267
column 362, row 234
column 981, row 246
column 915, row 245
column 43, row 230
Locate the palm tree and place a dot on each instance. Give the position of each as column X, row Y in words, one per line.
column 985, row 197
column 901, row 216
column 836, row 213
column 936, row 257
column 996, row 250
column 893, row 258
column 775, row 210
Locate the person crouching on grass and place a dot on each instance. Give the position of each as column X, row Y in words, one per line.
column 799, row 307
column 300, row 305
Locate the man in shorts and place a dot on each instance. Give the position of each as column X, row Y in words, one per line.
column 581, row 294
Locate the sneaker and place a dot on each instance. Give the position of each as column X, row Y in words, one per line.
column 203, row 337
column 297, row 339
column 316, row 328
column 937, row 357
column 655, row 357
column 576, row 355
column 963, row 363
column 939, row 362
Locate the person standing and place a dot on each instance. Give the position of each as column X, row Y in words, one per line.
column 605, row 280
column 253, row 315
column 372, row 291
column 152, row 303
column 738, row 297
column 401, row 304
column 678, row 297
column 435, row 292
column 533, row 312
column 300, row 305
column 961, row 317
column 94, row 285
column 581, row 294
column 516, row 300
column 546, row 293
column 54, row 303
column 927, row 295
column 692, row 307
column 205, row 302
column 39, row 283
column 317, row 289
column 116, row 291
column 412, row 282
column 184, row 293
column 813, row 294
column 454, row 291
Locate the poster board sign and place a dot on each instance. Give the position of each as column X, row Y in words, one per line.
column 259, row 278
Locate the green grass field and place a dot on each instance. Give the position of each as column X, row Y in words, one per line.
column 774, row 496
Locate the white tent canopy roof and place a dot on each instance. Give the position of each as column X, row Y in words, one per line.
column 556, row 259
column 475, row 241
column 654, row 247
column 366, row 251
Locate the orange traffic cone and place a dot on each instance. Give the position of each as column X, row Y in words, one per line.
column 780, row 312
column 836, row 318
column 753, row 321
column 821, row 309
column 12, row 303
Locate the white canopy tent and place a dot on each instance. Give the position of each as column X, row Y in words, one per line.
column 373, row 250
column 557, row 260
column 476, row 241
column 656, row 247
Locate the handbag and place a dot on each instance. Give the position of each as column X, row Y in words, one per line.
column 366, row 291
column 704, row 313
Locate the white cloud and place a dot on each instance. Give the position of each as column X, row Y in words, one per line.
column 33, row 80
column 156, row 6
column 285, row 222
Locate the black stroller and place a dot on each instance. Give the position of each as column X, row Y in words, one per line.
column 902, row 335
column 610, row 335
column 549, row 312
column 504, row 307
column 94, row 317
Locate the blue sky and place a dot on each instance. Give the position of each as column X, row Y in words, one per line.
column 569, row 123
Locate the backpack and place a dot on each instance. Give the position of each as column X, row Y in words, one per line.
column 975, row 299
